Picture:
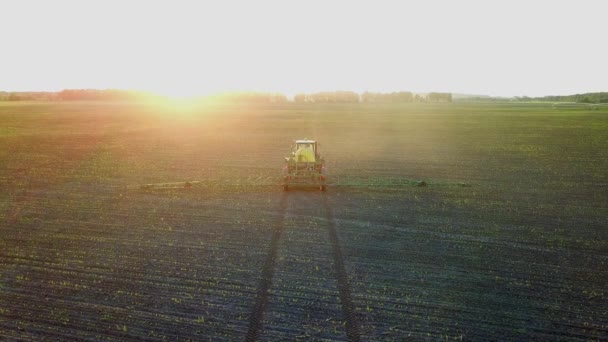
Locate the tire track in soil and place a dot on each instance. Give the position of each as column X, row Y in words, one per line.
column 261, row 302
column 348, row 310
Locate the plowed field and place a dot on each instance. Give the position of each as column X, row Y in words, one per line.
column 508, row 240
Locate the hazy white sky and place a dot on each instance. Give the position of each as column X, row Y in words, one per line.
column 185, row 47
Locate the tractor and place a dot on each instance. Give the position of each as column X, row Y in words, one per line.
column 305, row 167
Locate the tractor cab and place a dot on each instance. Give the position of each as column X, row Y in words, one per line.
column 305, row 151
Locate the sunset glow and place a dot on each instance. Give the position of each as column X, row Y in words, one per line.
column 184, row 48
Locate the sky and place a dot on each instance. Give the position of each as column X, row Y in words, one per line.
column 499, row 48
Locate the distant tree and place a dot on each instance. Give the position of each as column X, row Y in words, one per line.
column 402, row 96
column 367, row 97
column 278, row 98
column 299, row 98
column 346, row 96
column 585, row 99
column 15, row 97
column 439, row 97
column 405, row 96
column 419, row 98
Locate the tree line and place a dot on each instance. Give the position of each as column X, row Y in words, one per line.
column 27, row 96
column 269, row 97
column 369, row 97
column 74, row 94
column 231, row 97
column 601, row 97
column 119, row 95
column 253, row 97
column 591, row 98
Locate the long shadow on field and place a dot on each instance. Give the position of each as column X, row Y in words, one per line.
column 348, row 310
column 261, row 303
column 257, row 315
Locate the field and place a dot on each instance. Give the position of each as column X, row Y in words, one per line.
column 508, row 240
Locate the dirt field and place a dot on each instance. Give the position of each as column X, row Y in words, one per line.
column 508, row 241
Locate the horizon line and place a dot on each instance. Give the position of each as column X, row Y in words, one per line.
column 291, row 94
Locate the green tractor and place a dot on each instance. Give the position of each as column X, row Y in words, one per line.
column 305, row 167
